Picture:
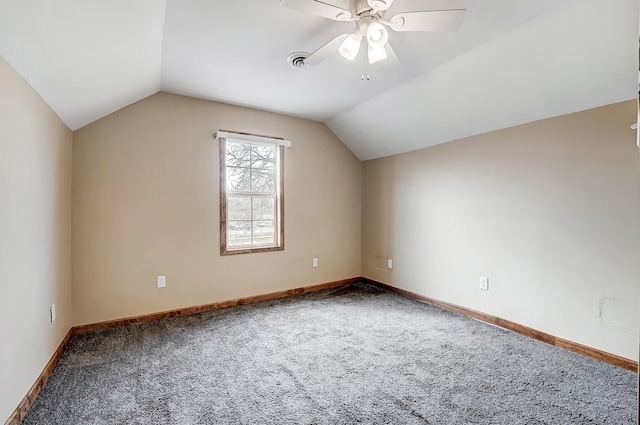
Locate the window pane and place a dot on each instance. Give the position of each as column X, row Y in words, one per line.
column 263, row 232
column 238, row 154
column 263, row 209
column 252, row 188
column 238, row 179
column 239, row 233
column 238, row 209
column 263, row 181
column 263, row 157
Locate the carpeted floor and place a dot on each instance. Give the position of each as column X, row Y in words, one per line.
column 356, row 354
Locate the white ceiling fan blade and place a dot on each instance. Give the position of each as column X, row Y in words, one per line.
column 318, row 8
column 431, row 20
column 325, row 51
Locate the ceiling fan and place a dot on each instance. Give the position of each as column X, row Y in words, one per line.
column 371, row 26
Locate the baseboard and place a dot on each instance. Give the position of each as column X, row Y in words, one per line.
column 101, row 326
column 19, row 413
column 594, row 353
column 27, row 401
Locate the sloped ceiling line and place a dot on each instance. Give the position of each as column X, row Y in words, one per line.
column 553, row 64
column 88, row 59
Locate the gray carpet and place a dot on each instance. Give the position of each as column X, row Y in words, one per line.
column 355, row 354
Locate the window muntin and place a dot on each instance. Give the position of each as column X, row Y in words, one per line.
column 251, row 197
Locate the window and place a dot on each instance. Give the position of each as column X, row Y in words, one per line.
column 251, row 193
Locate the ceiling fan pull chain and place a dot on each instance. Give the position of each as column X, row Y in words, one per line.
column 364, row 75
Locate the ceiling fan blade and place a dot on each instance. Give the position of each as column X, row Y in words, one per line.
column 431, row 20
column 325, row 51
column 318, row 8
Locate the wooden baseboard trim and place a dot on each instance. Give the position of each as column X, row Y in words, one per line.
column 23, row 407
column 20, row 412
column 27, row 401
column 594, row 353
column 101, row 326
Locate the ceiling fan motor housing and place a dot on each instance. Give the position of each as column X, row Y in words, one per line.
column 365, row 7
column 379, row 4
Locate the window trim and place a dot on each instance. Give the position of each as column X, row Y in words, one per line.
column 279, row 209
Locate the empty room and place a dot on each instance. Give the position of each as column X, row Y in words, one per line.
column 319, row 212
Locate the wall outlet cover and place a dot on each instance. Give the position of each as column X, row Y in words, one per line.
column 161, row 281
column 484, row 283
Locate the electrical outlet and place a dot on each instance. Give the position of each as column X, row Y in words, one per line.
column 162, row 281
column 52, row 313
column 484, row 283
column 389, row 263
column 314, row 262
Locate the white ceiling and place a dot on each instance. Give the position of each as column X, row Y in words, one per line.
column 513, row 61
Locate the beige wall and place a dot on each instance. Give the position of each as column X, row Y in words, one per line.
column 146, row 203
column 549, row 211
column 35, row 233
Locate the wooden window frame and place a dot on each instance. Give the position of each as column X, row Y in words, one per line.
column 279, row 207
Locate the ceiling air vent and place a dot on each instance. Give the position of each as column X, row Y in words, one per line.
column 296, row 59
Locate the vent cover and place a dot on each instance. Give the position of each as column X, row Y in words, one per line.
column 296, row 59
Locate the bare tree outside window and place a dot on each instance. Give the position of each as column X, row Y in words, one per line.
column 251, row 194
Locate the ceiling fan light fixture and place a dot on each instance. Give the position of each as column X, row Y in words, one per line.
column 350, row 46
column 376, row 54
column 377, row 35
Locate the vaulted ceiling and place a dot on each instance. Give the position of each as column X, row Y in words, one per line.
column 511, row 62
